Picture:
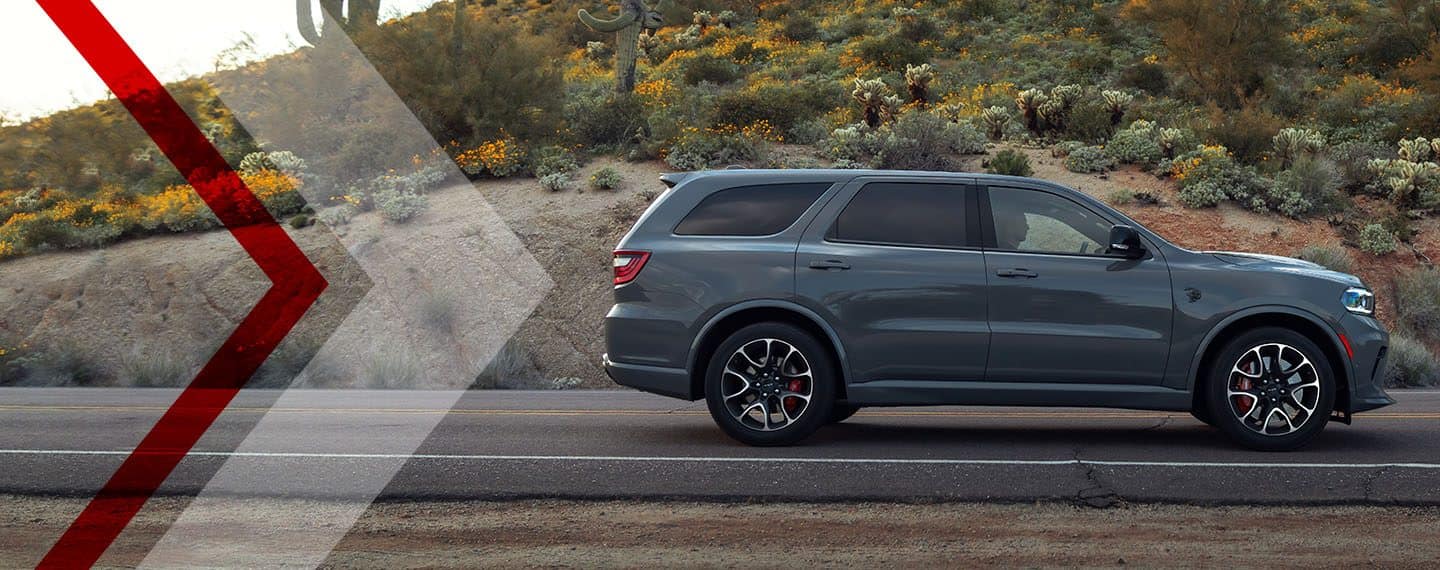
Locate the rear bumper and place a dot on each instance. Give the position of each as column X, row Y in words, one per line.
column 672, row 382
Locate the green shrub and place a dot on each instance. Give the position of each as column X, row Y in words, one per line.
column 855, row 144
column 966, row 138
column 1121, row 197
column 299, row 221
column 710, row 68
column 1010, row 162
column 551, row 160
column 1147, row 77
column 1202, row 194
column 1417, row 296
column 699, row 150
column 891, row 52
column 799, row 28
column 1088, row 159
column 1088, row 120
column 1248, row 133
column 1353, row 161
column 1311, row 185
column 1136, row 144
column 1334, row 258
column 1376, row 240
column 1064, row 148
column 555, row 182
column 784, row 105
column 337, row 216
column 153, row 368
column 604, row 118
column 1410, row 364
column 605, row 179
column 919, row 141
column 399, row 206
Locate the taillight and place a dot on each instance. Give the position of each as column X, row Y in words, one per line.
column 628, row 264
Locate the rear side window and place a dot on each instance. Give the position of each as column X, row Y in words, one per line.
column 750, row 210
column 899, row 213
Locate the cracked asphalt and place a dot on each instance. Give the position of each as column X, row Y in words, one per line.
column 625, row 445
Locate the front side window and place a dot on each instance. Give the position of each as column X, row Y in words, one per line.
column 750, row 210
column 895, row 213
column 1035, row 221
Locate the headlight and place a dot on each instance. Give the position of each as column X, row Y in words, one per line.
column 1359, row 301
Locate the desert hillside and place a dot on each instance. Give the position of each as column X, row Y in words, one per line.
column 145, row 312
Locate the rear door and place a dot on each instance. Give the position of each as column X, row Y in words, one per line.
column 893, row 264
column 1061, row 308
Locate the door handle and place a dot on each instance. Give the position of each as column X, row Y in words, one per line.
column 1025, row 273
column 829, row 264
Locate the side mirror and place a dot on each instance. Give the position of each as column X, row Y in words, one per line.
column 1125, row 242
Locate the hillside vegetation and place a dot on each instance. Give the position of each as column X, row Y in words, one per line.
column 1321, row 118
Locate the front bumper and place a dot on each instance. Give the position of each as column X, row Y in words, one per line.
column 672, row 382
column 1370, row 343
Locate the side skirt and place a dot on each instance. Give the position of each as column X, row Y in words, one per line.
column 939, row 392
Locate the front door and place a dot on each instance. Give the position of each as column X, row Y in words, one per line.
column 895, row 267
column 1061, row 308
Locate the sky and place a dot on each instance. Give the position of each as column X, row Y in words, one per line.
column 40, row 72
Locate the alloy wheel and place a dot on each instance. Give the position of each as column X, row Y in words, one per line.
column 767, row 384
column 1273, row 389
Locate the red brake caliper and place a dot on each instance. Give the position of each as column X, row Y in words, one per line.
column 790, row 403
column 1245, row 404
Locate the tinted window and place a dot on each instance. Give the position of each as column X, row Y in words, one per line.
column 750, row 210
column 904, row 214
column 1030, row 220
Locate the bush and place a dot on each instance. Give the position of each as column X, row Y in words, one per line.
column 1010, row 162
column 301, row 221
column 552, row 160
column 1248, row 133
column 1410, row 364
column 1204, row 194
column 967, row 139
column 1376, row 240
column 555, row 182
column 399, row 206
column 918, row 141
column 710, row 68
column 1136, row 144
column 1417, row 295
column 1121, row 197
column 604, row 118
column 784, row 106
column 1334, row 258
column 799, row 28
column 1088, row 159
column 1353, row 161
column 699, row 150
column 279, row 161
column 1311, row 185
column 605, row 179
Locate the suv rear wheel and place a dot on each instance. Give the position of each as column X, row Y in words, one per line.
column 1271, row 389
column 770, row 384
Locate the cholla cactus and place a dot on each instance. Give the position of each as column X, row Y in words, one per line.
column 597, row 50
column 917, row 82
column 704, row 19
column 902, row 12
column 879, row 104
column 996, row 118
column 1292, row 142
column 1117, row 102
column 1411, row 184
column 1056, row 110
column 1170, row 140
column 635, row 17
column 1416, row 150
column 650, row 46
column 728, row 18
column 1029, row 102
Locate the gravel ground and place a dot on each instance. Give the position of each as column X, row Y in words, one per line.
column 629, row 534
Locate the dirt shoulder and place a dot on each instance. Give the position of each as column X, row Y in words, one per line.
column 623, row 534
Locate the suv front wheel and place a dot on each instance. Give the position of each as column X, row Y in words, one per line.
column 1271, row 389
column 770, row 384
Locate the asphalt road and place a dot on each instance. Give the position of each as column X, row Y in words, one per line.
column 583, row 444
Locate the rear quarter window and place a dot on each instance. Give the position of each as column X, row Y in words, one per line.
column 750, row 210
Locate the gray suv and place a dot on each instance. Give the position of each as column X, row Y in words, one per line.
column 790, row 299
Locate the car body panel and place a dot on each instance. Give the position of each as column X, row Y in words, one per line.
column 692, row 284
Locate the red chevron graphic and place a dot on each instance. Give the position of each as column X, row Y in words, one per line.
column 295, row 284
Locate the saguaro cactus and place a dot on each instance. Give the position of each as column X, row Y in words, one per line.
column 635, row 17
column 361, row 13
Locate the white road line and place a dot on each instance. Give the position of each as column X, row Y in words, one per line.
column 829, row 460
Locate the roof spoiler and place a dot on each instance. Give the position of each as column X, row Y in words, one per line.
column 674, row 179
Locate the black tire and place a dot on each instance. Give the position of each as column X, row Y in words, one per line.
column 841, row 413
column 1275, row 393
column 740, row 416
column 1202, row 412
